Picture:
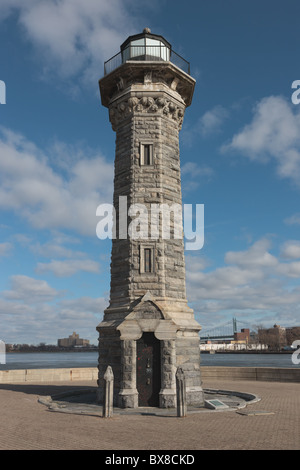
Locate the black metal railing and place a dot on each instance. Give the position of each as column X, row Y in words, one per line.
column 146, row 53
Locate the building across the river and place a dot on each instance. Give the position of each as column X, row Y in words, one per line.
column 73, row 340
column 279, row 337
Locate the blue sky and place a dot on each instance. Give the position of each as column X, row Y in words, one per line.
column 240, row 157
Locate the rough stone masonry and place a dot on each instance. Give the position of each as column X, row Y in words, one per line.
column 146, row 100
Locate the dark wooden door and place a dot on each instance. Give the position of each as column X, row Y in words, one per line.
column 148, row 370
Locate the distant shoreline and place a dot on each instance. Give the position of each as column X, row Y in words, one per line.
column 95, row 349
column 52, row 350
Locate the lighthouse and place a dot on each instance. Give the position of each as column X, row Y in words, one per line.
column 148, row 330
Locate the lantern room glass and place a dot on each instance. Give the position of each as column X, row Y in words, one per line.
column 146, row 49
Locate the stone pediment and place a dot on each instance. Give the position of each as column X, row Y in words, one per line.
column 147, row 316
column 146, row 309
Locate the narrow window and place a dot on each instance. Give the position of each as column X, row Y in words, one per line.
column 146, row 154
column 147, row 260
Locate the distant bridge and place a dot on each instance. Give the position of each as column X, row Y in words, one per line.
column 224, row 331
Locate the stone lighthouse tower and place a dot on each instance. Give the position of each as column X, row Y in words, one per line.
column 148, row 330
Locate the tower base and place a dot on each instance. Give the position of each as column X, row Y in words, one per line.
column 144, row 350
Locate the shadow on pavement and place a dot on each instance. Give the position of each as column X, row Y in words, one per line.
column 45, row 389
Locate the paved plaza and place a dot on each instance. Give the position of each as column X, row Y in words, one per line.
column 27, row 424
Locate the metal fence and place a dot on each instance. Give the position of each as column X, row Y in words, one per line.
column 146, row 53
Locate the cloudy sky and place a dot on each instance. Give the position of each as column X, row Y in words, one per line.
column 240, row 157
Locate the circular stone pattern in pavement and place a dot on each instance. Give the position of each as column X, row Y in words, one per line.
column 84, row 402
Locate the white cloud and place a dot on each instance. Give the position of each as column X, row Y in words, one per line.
column 193, row 175
column 212, row 120
column 293, row 219
column 67, row 268
column 71, row 36
column 5, row 248
column 32, row 312
column 22, row 239
column 195, row 171
column 256, row 256
column 9, row 309
column 51, row 249
column 291, row 249
column 273, row 134
column 252, row 281
column 25, row 288
column 46, row 197
column 207, row 125
column 83, row 304
column 291, row 270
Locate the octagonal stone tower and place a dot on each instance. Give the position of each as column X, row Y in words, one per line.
column 148, row 330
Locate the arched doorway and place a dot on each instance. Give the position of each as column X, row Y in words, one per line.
column 148, row 372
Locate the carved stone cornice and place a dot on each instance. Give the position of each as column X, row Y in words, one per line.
column 148, row 74
column 120, row 110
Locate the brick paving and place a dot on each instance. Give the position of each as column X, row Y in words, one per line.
column 26, row 424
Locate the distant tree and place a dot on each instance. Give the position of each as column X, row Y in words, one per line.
column 274, row 337
column 292, row 334
column 261, row 335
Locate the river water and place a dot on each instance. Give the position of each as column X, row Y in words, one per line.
column 56, row 360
